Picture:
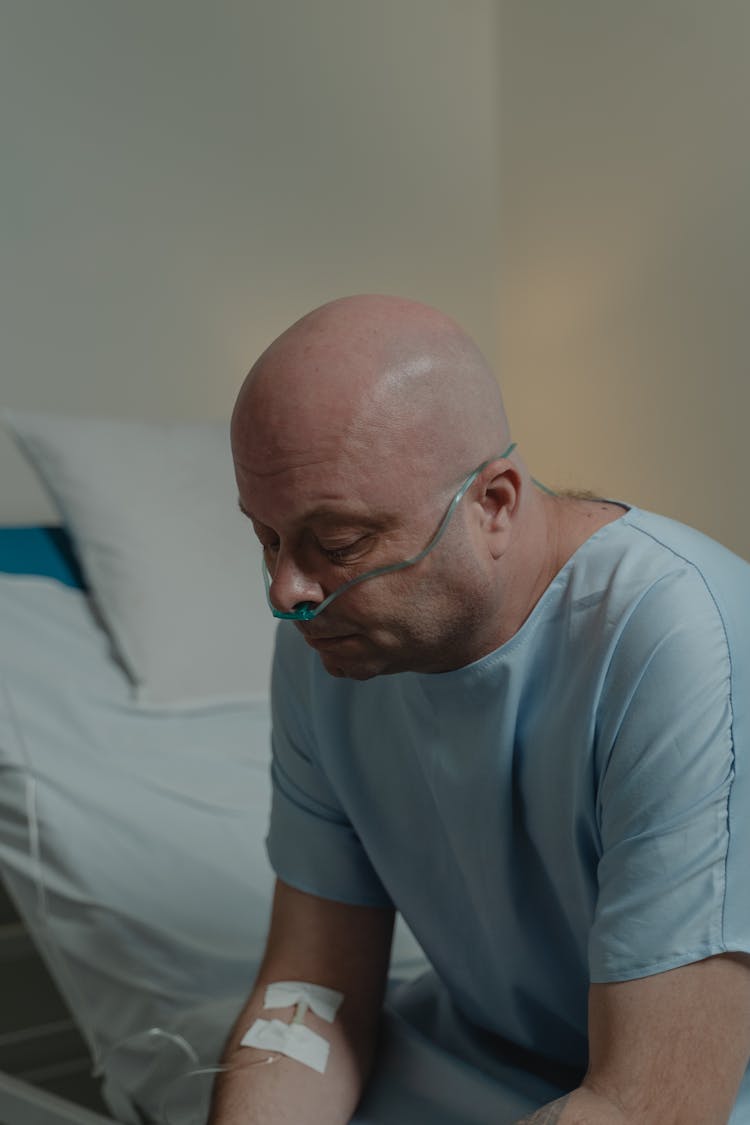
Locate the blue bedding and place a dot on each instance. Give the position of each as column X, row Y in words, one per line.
column 42, row 550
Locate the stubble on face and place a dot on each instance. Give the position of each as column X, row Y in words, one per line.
column 433, row 618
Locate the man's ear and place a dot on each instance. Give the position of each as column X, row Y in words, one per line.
column 500, row 493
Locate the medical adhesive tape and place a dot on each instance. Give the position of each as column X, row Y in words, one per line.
column 294, row 1039
column 325, row 1002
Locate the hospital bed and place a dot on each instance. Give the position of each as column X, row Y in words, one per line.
column 134, row 802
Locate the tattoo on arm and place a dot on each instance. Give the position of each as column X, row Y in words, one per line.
column 548, row 1114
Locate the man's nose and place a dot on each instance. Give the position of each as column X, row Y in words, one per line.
column 291, row 584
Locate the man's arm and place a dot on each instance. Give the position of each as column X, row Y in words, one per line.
column 669, row 1049
column 319, row 942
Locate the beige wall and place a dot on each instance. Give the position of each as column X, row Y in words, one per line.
column 624, row 300
column 186, row 178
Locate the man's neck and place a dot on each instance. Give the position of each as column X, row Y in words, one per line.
column 556, row 528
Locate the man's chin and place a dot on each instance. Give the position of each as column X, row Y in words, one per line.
column 351, row 669
column 354, row 656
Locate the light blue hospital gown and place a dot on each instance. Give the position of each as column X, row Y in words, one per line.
column 572, row 808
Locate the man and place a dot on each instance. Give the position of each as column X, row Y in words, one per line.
column 532, row 740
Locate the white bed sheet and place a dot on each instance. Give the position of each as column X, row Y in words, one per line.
column 149, row 891
column 151, row 827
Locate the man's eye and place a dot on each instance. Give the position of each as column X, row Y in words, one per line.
column 344, row 554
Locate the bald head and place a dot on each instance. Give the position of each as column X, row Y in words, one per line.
column 352, row 436
column 375, row 374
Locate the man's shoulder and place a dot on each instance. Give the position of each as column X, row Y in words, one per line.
column 676, row 548
column 642, row 547
column 665, row 583
column 682, row 540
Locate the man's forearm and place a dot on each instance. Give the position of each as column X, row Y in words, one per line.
column 284, row 1092
column 255, row 1092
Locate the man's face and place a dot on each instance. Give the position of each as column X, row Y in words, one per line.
column 323, row 521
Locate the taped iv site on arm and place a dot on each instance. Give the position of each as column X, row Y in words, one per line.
column 294, row 1039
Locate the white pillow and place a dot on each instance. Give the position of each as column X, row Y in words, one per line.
column 171, row 562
